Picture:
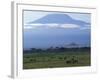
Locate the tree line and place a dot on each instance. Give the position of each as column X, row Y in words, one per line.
column 57, row 49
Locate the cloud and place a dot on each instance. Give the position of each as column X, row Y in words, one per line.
column 29, row 27
column 69, row 26
column 63, row 26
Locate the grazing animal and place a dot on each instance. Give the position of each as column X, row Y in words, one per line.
column 75, row 61
column 71, row 61
column 68, row 62
column 65, row 58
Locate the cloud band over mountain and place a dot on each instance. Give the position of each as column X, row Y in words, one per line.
column 57, row 21
column 60, row 26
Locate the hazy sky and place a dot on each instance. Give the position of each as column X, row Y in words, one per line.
column 46, row 29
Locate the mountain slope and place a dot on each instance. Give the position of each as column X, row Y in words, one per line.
column 59, row 19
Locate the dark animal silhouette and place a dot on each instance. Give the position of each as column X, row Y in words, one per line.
column 71, row 61
column 68, row 62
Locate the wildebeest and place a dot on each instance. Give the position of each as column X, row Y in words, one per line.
column 68, row 62
column 75, row 61
column 71, row 61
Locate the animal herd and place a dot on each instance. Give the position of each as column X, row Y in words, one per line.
column 72, row 61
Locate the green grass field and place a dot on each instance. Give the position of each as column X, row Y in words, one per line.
column 46, row 59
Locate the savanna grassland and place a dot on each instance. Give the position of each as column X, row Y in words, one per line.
column 56, row 57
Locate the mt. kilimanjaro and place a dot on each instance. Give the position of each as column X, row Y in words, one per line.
column 59, row 19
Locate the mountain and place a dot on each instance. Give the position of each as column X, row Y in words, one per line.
column 59, row 19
